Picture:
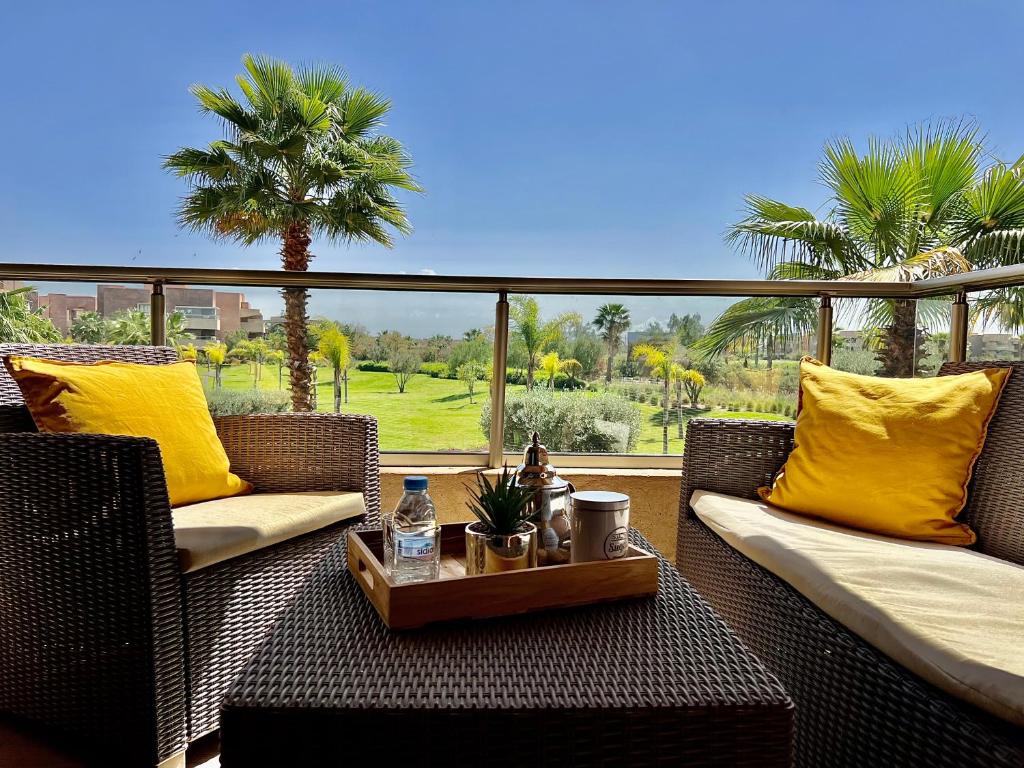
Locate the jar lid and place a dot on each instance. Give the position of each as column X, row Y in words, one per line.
column 599, row 501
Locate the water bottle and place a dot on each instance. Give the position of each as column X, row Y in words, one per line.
column 415, row 534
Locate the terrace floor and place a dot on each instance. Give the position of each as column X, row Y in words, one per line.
column 20, row 749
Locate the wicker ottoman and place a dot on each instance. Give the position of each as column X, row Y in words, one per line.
column 659, row 681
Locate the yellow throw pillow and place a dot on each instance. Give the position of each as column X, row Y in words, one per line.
column 890, row 456
column 164, row 402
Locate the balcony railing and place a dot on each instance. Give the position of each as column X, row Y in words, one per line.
column 955, row 287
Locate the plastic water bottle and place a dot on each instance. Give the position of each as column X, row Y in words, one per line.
column 415, row 534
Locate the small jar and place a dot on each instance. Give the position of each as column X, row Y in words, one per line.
column 600, row 525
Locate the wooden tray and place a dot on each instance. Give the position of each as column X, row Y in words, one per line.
column 458, row 596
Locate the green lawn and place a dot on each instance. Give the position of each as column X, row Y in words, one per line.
column 435, row 414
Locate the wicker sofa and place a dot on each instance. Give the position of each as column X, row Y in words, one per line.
column 855, row 706
column 106, row 642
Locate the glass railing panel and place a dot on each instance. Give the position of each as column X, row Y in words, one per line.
column 624, row 374
column 83, row 313
column 996, row 325
column 419, row 362
column 892, row 338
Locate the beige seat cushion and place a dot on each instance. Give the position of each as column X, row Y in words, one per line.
column 218, row 530
column 953, row 616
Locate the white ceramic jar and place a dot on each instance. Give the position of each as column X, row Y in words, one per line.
column 600, row 525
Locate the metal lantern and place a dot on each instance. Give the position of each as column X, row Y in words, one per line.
column 550, row 504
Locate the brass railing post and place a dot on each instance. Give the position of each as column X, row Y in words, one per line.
column 958, row 329
column 824, row 348
column 496, row 450
column 157, row 318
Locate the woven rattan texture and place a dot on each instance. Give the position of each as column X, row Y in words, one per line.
column 96, row 644
column 647, row 682
column 286, row 452
column 995, row 503
column 91, row 640
column 855, row 707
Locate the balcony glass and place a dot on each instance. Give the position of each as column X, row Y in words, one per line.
column 660, row 375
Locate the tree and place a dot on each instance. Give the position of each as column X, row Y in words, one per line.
column 276, row 356
column 536, row 334
column 473, row 348
column 758, row 321
column 469, row 373
column 693, row 383
column 134, row 327
column 551, row 364
column 334, row 347
column 90, row 328
column 572, row 368
column 404, row 364
column 216, row 354
column 917, row 206
column 303, row 157
column 188, row 352
column 659, row 363
column 20, row 325
column 687, row 328
column 612, row 321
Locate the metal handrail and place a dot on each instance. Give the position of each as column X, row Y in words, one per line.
column 979, row 280
column 825, row 290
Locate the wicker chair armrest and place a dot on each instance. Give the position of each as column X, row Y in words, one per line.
column 732, row 456
column 285, row 452
column 91, row 618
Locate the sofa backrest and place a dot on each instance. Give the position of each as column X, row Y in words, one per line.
column 995, row 501
column 13, row 414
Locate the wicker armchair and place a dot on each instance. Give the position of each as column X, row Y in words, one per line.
column 854, row 706
column 104, row 642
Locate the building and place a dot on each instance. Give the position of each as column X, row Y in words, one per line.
column 62, row 309
column 209, row 314
column 10, row 285
column 993, row 346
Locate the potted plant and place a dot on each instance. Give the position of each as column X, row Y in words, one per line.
column 502, row 538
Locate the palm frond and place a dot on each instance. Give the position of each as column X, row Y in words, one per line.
column 938, row 262
column 758, row 319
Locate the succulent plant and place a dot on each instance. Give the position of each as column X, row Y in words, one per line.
column 501, row 507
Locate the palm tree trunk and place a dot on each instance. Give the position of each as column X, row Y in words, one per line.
column 295, row 257
column 611, row 360
column 346, row 386
column 679, row 408
column 899, row 343
column 664, row 419
column 337, row 391
column 530, row 363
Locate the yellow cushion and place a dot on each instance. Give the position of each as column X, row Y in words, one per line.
column 219, row 530
column 164, row 402
column 891, row 456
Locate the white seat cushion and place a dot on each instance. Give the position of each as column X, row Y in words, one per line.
column 213, row 531
column 953, row 616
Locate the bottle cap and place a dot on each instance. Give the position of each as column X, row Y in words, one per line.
column 598, row 501
column 415, row 483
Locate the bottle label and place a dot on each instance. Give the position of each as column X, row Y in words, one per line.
column 416, row 547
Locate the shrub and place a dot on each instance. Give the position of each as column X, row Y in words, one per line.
column 569, row 421
column 239, row 402
column 436, row 370
column 374, row 366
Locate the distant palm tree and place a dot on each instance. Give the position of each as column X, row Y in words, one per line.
column 20, row 325
column 133, row 327
column 535, row 333
column 551, row 364
column 659, row 363
column 302, row 157
column 216, row 354
column 612, row 321
column 335, row 349
column 919, row 206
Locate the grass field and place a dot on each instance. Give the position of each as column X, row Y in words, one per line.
column 435, row 414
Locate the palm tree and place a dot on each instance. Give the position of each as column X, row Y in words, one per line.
column 758, row 321
column 919, row 206
column 551, row 364
column 302, row 158
column 20, row 325
column 612, row 320
column 334, row 347
column 536, row 334
column 659, row 363
column 215, row 355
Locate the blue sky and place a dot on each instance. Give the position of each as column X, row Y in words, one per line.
column 570, row 138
